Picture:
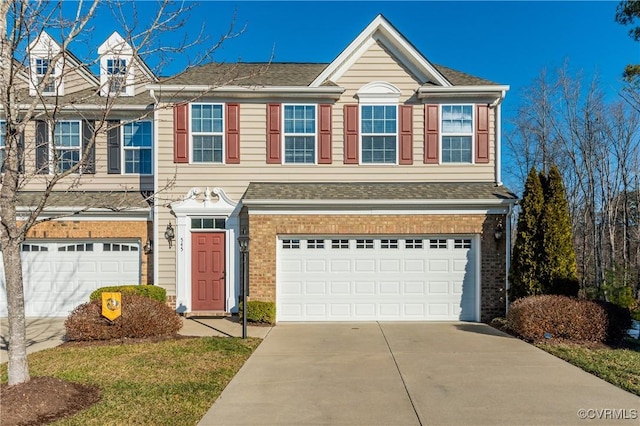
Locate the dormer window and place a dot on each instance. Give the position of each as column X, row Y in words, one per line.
column 118, row 68
column 45, row 62
column 117, row 72
column 41, row 69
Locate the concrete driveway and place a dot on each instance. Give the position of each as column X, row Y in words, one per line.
column 412, row 374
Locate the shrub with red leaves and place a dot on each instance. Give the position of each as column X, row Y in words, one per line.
column 560, row 317
column 141, row 317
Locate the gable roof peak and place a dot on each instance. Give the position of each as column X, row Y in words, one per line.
column 380, row 30
column 115, row 43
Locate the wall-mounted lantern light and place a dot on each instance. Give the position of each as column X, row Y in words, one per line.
column 499, row 231
column 169, row 234
column 148, row 247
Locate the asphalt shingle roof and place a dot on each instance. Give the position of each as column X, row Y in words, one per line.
column 111, row 200
column 377, row 191
column 284, row 74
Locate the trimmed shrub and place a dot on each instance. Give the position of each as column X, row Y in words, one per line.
column 560, row 317
column 619, row 321
column 150, row 291
column 141, row 317
column 259, row 312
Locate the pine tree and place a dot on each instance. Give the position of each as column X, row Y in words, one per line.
column 525, row 269
column 558, row 272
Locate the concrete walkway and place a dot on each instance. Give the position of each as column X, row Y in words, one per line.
column 412, row 374
column 44, row 333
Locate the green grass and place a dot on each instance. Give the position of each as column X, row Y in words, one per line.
column 618, row 366
column 164, row 383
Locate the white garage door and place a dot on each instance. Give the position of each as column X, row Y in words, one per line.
column 59, row 276
column 367, row 279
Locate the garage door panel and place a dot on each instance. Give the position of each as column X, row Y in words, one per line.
column 340, row 287
column 316, row 288
column 438, row 265
column 338, row 265
column 316, row 266
column 414, row 265
column 376, row 278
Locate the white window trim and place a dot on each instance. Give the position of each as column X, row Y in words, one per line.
column 442, row 134
column 361, row 133
column 124, row 149
column 284, row 135
column 105, row 84
column 192, row 133
column 52, row 146
column 56, row 74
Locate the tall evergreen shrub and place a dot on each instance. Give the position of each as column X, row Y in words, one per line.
column 525, row 269
column 558, row 271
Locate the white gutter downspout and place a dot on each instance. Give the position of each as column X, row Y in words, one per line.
column 508, row 258
column 156, row 244
column 498, row 162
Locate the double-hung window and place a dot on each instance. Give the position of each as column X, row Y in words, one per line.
column 379, row 133
column 207, row 130
column 299, row 134
column 67, row 143
column 137, row 145
column 41, row 67
column 457, row 133
column 117, row 74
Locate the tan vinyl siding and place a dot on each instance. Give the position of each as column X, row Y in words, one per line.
column 100, row 181
column 75, row 82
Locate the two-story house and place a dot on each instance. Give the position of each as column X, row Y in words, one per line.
column 370, row 187
column 100, row 232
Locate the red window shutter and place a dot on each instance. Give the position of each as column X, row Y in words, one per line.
column 232, row 134
column 324, row 134
column 406, row 134
column 181, row 133
column 431, row 135
column 351, row 134
column 273, row 133
column 482, row 134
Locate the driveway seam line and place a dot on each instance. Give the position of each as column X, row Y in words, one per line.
column 415, row 411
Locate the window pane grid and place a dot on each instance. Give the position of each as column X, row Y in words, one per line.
column 457, row 133
column 66, row 144
column 207, row 127
column 379, row 139
column 137, row 144
column 300, row 134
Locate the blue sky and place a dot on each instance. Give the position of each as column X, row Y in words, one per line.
column 506, row 42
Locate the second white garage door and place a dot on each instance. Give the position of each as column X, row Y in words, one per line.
column 369, row 279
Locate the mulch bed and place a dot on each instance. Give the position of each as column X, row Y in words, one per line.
column 43, row 400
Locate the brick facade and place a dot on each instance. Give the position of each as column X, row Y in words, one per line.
column 68, row 229
column 264, row 229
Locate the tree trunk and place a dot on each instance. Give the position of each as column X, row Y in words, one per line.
column 18, row 364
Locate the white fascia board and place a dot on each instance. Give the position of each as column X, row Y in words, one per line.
column 462, row 91
column 325, row 92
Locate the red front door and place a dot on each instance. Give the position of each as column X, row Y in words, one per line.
column 207, row 271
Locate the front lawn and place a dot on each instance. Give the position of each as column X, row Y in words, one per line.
column 617, row 366
column 155, row 383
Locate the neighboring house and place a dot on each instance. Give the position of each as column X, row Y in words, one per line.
column 370, row 187
column 106, row 219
